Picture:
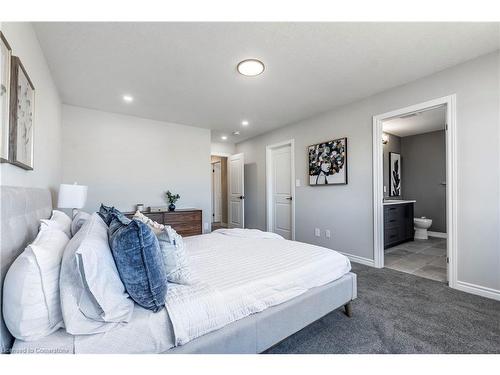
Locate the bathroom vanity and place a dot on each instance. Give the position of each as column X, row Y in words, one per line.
column 398, row 222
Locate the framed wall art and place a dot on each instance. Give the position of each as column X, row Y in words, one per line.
column 328, row 162
column 5, row 58
column 395, row 174
column 22, row 99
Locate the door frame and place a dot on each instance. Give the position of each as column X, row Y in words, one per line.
column 269, row 195
column 451, row 181
column 213, row 190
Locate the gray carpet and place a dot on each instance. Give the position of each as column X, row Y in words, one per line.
column 401, row 313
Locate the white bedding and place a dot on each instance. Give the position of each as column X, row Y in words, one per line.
column 240, row 276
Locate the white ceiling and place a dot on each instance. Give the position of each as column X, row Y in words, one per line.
column 186, row 72
column 422, row 122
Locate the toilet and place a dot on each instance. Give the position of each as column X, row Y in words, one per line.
column 421, row 224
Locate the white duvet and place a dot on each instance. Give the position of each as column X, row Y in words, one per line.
column 244, row 274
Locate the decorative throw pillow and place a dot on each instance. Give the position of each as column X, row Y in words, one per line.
column 139, row 261
column 107, row 213
column 156, row 227
column 79, row 218
column 31, row 302
column 172, row 248
column 93, row 298
column 58, row 220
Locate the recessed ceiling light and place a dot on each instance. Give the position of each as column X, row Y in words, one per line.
column 128, row 98
column 224, row 137
column 244, row 123
column 250, row 67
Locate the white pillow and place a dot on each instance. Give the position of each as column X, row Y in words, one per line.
column 31, row 303
column 58, row 220
column 79, row 218
column 93, row 298
column 172, row 248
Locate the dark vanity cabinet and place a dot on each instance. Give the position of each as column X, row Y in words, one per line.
column 398, row 224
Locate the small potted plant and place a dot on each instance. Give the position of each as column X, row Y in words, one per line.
column 171, row 199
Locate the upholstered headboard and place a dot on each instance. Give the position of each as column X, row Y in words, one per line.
column 20, row 212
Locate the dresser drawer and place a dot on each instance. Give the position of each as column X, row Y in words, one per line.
column 392, row 222
column 158, row 217
column 392, row 212
column 187, row 229
column 182, row 217
column 392, row 235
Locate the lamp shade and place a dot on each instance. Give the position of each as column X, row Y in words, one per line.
column 72, row 196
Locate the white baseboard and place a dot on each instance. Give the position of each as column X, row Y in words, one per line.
column 478, row 290
column 360, row 260
column 437, row 234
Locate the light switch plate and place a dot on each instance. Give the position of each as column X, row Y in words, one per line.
column 317, row 232
column 297, row 182
column 327, row 233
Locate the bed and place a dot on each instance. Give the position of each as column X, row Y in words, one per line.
column 284, row 292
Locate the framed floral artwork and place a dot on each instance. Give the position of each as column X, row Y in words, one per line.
column 328, row 162
column 22, row 99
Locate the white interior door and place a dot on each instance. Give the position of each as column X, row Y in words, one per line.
column 236, row 178
column 281, row 189
column 216, row 192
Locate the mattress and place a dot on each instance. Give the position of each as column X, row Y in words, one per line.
column 237, row 277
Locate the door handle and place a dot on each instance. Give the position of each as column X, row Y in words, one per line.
column 289, row 198
column 242, row 197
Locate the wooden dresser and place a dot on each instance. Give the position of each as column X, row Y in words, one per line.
column 186, row 222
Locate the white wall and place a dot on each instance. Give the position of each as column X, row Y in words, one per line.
column 219, row 148
column 47, row 124
column 126, row 160
column 347, row 210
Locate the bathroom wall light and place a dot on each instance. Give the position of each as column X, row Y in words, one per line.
column 250, row 67
column 385, row 138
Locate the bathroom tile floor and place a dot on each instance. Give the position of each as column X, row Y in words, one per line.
column 424, row 258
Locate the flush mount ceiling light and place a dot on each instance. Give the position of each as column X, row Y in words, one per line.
column 224, row 137
column 236, row 132
column 128, row 98
column 250, row 67
column 244, row 123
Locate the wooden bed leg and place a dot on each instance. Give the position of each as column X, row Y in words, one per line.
column 348, row 309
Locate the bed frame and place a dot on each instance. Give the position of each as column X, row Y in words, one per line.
column 21, row 210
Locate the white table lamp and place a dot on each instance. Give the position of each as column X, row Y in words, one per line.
column 72, row 196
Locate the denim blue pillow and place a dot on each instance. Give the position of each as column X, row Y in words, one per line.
column 106, row 213
column 139, row 261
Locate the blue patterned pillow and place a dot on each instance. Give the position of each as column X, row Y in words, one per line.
column 139, row 261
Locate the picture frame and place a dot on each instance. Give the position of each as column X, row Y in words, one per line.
column 5, row 72
column 328, row 162
column 394, row 174
column 22, row 116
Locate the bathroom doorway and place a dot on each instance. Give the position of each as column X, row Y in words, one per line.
column 414, row 190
